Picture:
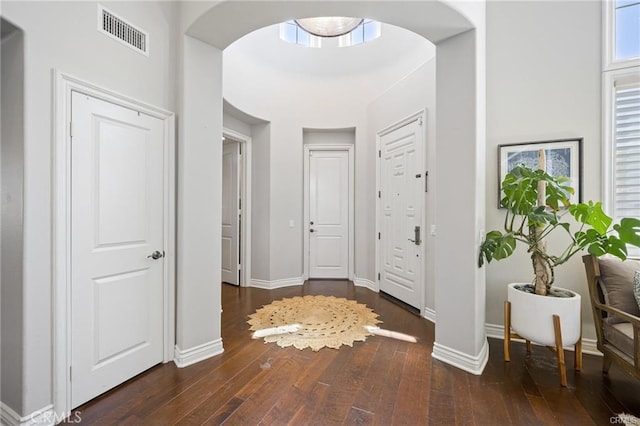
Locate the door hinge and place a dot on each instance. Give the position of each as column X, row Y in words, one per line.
column 420, row 121
column 378, row 276
column 379, row 194
column 69, row 373
column 71, row 129
column 426, row 181
column 379, row 153
column 378, row 235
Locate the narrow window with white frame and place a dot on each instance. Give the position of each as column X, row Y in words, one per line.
column 622, row 110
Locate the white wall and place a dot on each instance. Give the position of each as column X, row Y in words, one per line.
column 261, row 201
column 64, row 36
column 295, row 89
column 237, row 125
column 11, row 258
column 415, row 92
column 329, row 137
column 199, row 231
column 543, row 82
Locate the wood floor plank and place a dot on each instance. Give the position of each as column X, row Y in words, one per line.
column 542, row 410
column 357, row 416
column 464, row 414
column 345, row 384
column 311, row 405
column 260, row 400
column 387, row 400
column 230, row 389
column 412, row 397
column 183, row 403
column 376, row 376
column 381, row 381
column 287, row 405
column 223, row 413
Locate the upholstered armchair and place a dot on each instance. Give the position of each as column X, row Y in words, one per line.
column 616, row 313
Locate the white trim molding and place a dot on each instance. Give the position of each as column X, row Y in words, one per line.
column 42, row 417
column 471, row 364
column 270, row 285
column 184, row 358
column 589, row 346
column 429, row 314
column 64, row 85
column 363, row 282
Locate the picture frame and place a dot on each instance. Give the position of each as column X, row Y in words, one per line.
column 564, row 158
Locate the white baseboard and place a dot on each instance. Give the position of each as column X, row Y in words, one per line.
column 270, row 285
column 471, row 364
column 430, row 314
column 199, row 353
column 42, row 417
column 589, row 346
column 363, row 282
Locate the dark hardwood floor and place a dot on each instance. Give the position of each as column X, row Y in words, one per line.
column 381, row 381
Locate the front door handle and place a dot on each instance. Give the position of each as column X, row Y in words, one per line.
column 156, row 255
column 416, row 232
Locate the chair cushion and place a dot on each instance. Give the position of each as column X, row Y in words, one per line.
column 620, row 335
column 636, row 287
column 616, row 281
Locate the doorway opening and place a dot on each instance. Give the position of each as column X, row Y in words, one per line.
column 329, row 187
column 236, row 208
column 402, row 181
column 146, row 256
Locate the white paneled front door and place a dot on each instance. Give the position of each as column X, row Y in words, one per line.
column 117, row 254
column 401, row 198
column 230, row 212
column 328, row 214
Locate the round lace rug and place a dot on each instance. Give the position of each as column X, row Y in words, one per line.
column 326, row 321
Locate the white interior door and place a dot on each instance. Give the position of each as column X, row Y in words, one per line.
column 328, row 214
column 401, row 198
column 230, row 212
column 117, row 252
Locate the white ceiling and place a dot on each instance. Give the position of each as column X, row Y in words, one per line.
column 262, row 71
column 395, row 48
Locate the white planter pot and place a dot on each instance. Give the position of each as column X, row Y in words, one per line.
column 532, row 316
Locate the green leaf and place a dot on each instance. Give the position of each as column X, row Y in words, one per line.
column 616, row 247
column 566, row 226
column 629, row 231
column 496, row 246
column 596, row 249
column 540, row 217
column 591, row 214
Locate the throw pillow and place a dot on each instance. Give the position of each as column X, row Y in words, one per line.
column 616, row 279
column 636, row 287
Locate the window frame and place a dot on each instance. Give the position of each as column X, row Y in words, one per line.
column 614, row 73
column 609, row 43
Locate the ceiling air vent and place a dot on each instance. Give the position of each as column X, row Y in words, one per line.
column 119, row 29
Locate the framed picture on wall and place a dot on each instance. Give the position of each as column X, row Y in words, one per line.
column 563, row 158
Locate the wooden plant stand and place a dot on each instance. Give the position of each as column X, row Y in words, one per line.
column 558, row 349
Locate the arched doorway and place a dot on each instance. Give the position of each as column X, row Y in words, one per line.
column 458, row 182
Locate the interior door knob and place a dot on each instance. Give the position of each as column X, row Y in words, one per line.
column 312, row 230
column 156, row 255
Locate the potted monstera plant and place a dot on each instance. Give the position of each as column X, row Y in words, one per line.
column 538, row 206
